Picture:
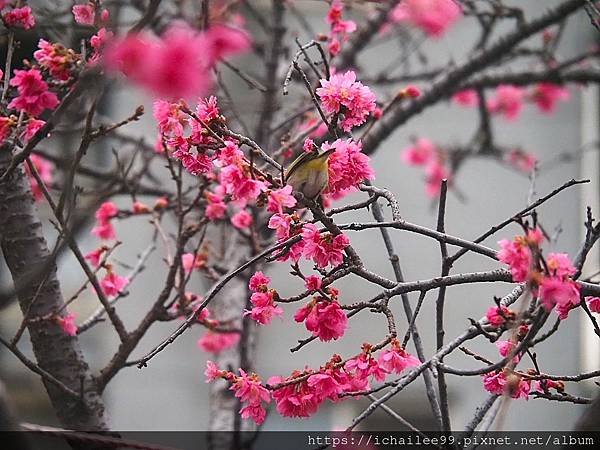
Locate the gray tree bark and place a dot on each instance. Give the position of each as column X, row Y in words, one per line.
column 38, row 291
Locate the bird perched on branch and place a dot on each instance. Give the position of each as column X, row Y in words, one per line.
column 309, row 173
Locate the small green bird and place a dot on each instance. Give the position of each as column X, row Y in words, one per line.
column 309, row 173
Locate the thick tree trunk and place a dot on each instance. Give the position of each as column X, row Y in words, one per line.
column 27, row 255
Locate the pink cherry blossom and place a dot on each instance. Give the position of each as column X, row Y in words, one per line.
column 495, row 382
column 216, row 208
column 434, row 17
column 113, row 284
column 334, row 18
column 365, row 365
column 256, row 412
column 560, row 265
column 324, row 319
column 522, row 161
column 84, row 14
column 212, row 371
column 497, row 316
column 281, row 224
column 19, row 18
column 67, row 323
column 238, row 182
column 248, row 389
column 178, row 64
column 56, row 58
column 242, row 219
column 340, row 29
column 507, row 102
column 6, row 126
column 280, row 199
column 420, row 153
column 45, row 170
column 325, row 249
column 325, row 386
column 34, row 96
column 170, row 118
column 297, row 400
column 107, row 211
column 207, row 109
column 95, row 256
column 222, row 41
column 593, row 304
column 547, row 95
column 517, row 255
column 397, row 359
column 32, row 127
column 560, row 292
column 264, row 308
column 468, row 97
column 213, row 342
column 342, row 93
column 348, row 167
column 98, row 41
column 313, row 282
column 258, row 282
column 104, row 230
column 505, row 347
column 435, row 172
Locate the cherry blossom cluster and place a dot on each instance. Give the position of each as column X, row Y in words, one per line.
column 509, row 100
column 179, row 63
column 424, row 153
column 340, row 29
column 433, row 17
column 550, row 277
column 303, row 392
column 343, row 95
column 507, row 380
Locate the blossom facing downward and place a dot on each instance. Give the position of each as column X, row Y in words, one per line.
column 104, row 214
column 213, row 342
column 179, row 63
column 468, row 98
column 323, row 249
column 263, row 299
column 498, row 316
column 113, row 284
column 522, row 161
column 547, row 95
column 19, row 18
column 67, row 323
column 45, row 170
column 324, row 319
column 95, row 256
column 397, row 359
column 420, row 153
column 249, row 390
column 34, row 96
column 348, row 167
column 242, row 219
column 593, row 304
column 280, row 199
column 507, row 102
column 84, row 14
column 517, row 255
column 434, row 17
column 342, row 94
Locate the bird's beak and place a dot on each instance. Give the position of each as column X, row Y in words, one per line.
column 328, row 152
